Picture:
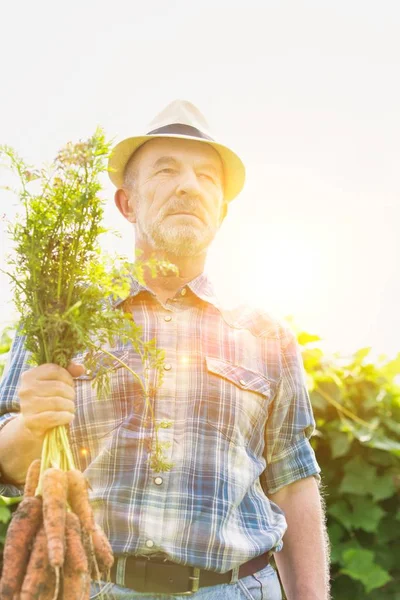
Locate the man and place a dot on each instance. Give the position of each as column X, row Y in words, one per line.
column 243, row 472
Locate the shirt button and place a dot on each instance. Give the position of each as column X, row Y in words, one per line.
column 167, row 367
column 167, row 318
column 149, row 543
column 183, row 292
column 242, row 382
column 158, row 480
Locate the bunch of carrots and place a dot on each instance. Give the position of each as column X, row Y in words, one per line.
column 54, row 547
column 61, row 281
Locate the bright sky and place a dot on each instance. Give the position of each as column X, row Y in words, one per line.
column 307, row 93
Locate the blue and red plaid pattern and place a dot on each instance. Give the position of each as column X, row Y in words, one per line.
column 234, row 390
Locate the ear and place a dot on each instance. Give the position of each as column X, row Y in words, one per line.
column 125, row 205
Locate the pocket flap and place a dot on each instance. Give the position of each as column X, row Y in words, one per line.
column 245, row 378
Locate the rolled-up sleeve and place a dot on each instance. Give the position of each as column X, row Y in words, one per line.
column 9, row 402
column 288, row 452
column 16, row 365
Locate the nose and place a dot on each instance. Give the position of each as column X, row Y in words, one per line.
column 188, row 184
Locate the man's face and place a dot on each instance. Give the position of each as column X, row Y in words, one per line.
column 175, row 188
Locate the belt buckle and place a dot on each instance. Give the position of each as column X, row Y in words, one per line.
column 195, row 580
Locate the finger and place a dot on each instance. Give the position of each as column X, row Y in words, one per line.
column 76, row 370
column 41, row 422
column 49, row 372
column 47, row 389
column 51, row 404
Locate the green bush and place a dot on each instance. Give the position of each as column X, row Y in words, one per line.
column 357, row 443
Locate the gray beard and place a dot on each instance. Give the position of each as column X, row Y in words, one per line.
column 179, row 240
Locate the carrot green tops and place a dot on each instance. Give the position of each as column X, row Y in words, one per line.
column 234, row 419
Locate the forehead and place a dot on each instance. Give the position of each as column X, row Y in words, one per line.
column 185, row 151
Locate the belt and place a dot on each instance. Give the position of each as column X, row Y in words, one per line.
column 158, row 576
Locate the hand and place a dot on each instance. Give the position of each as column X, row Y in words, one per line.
column 47, row 396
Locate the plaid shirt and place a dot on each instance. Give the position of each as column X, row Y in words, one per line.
column 234, row 389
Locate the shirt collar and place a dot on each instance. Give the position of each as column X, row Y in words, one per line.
column 201, row 286
column 135, row 289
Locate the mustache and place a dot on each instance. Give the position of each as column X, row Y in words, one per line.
column 190, row 205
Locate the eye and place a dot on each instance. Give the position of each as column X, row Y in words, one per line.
column 166, row 170
column 207, row 176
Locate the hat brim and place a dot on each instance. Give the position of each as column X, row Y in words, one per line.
column 234, row 170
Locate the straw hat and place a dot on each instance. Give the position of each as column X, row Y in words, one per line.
column 180, row 120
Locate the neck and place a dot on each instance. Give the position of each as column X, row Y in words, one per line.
column 165, row 284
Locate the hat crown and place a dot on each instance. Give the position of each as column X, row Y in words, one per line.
column 182, row 112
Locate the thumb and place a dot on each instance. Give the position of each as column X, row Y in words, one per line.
column 75, row 370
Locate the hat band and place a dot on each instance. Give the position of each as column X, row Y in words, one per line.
column 180, row 129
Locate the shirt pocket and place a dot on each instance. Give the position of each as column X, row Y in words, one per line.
column 237, row 400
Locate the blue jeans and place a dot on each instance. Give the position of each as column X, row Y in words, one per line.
column 263, row 585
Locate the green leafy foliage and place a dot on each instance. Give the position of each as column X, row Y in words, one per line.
column 65, row 288
column 61, row 280
column 158, row 459
column 357, row 409
column 360, row 565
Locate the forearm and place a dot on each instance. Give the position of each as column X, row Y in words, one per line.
column 18, row 448
column 303, row 563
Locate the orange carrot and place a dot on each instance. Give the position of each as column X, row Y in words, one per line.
column 54, row 487
column 40, row 581
column 103, row 550
column 88, row 547
column 32, row 478
column 75, row 556
column 76, row 572
column 78, row 499
column 21, row 532
column 75, row 585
